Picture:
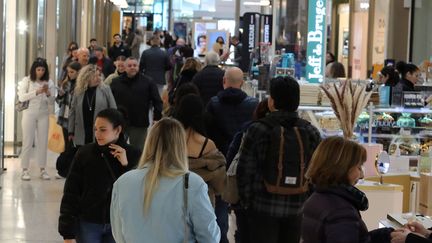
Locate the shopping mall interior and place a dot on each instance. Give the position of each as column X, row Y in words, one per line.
column 331, row 47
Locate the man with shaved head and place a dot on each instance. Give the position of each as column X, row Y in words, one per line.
column 229, row 110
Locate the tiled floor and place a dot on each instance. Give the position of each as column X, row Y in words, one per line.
column 29, row 210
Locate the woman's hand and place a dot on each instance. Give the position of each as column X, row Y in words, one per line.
column 119, row 153
column 70, row 241
column 417, row 227
column 399, row 235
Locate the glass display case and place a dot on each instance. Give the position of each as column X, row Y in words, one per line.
column 400, row 130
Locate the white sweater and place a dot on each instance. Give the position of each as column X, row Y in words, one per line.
column 27, row 92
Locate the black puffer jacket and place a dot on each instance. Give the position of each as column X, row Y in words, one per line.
column 87, row 191
column 331, row 215
column 209, row 82
column 228, row 111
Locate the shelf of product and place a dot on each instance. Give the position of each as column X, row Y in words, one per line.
column 400, row 130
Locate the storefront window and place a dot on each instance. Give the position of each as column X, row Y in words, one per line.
column 422, row 38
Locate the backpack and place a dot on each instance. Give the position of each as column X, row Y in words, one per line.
column 286, row 157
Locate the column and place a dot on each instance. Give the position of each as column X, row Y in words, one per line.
column 2, row 81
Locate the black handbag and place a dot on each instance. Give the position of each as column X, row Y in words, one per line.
column 64, row 161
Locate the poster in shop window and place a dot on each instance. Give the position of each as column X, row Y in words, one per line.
column 316, row 41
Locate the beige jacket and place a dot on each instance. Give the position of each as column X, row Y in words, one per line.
column 212, row 168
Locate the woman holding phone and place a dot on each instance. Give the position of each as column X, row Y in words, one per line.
column 85, row 206
column 39, row 91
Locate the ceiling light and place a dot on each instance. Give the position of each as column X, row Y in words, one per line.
column 260, row 3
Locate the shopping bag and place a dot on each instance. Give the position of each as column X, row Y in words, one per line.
column 55, row 136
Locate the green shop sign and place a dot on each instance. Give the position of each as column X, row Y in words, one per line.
column 316, row 41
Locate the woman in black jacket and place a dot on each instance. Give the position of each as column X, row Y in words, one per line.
column 188, row 71
column 85, row 206
column 331, row 214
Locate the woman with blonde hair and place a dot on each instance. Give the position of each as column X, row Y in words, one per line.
column 162, row 201
column 331, row 214
column 90, row 97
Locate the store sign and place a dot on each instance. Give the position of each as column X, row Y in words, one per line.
column 315, row 66
column 267, row 28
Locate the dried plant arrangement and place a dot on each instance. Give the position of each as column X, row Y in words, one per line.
column 348, row 99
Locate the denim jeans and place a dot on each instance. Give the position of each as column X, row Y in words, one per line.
column 221, row 211
column 94, row 233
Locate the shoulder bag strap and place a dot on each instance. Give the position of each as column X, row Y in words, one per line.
column 109, row 167
column 185, row 206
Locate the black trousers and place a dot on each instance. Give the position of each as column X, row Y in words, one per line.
column 265, row 229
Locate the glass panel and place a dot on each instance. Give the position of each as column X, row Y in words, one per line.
column 422, row 39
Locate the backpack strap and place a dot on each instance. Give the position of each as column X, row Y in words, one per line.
column 302, row 154
column 281, row 154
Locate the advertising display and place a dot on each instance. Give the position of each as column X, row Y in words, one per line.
column 315, row 67
column 267, row 28
column 212, row 36
column 250, row 37
column 199, row 35
column 180, row 29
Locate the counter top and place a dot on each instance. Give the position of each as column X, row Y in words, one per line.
column 374, row 186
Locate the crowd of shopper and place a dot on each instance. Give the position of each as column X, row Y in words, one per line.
column 111, row 107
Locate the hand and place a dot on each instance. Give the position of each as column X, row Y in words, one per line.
column 119, row 153
column 61, row 92
column 70, row 241
column 48, row 93
column 71, row 137
column 400, row 235
column 417, row 227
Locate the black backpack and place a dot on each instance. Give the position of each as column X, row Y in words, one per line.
column 286, row 157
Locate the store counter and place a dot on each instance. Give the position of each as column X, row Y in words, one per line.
column 383, row 199
column 410, row 181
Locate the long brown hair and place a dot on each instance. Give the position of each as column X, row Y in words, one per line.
column 332, row 161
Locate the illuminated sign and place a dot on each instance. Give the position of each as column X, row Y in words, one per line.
column 316, row 41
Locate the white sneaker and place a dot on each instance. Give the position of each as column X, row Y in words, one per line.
column 44, row 175
column 57, row 176
column 25, row 175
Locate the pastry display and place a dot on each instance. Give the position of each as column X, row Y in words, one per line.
column 425, row 121
column 406, row 121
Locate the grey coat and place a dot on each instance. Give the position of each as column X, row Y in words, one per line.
column 104, row 100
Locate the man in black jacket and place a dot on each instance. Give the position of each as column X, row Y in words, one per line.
column 209, row 80
column 118, row 48
column 154, row 63
column 134, row 92
column 228, row 111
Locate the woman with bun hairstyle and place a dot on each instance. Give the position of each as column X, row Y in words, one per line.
column 409, row 75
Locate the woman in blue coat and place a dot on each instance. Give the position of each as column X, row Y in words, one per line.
column 161, row 201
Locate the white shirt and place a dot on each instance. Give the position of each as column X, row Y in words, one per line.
column 27, row 92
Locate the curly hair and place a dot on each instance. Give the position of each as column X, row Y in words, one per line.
column 85, row 75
